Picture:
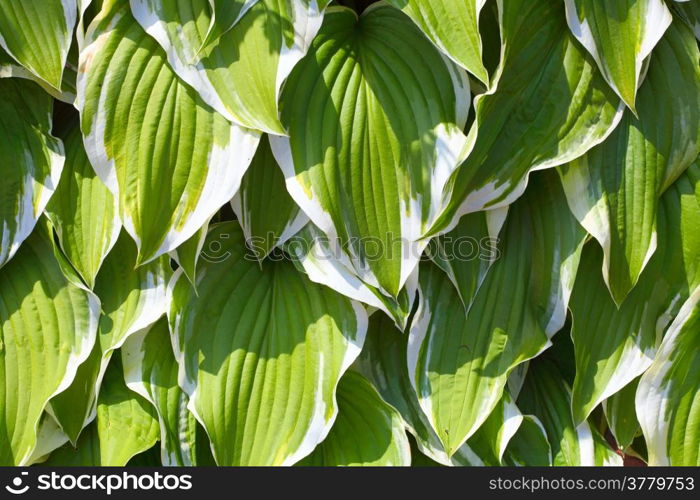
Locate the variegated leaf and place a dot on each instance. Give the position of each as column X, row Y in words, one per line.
column 375, row 115
column 32, row 161
column 171, row 162
column 268, row 340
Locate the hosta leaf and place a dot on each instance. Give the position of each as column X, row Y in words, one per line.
column 38, row 34
column 171, row 161
column 668, row 397
column 460, row 377
column 529, row 446
column 132, row 299
column 126, row 423
column 31, row 163
column 83, row 212
column 453, row 26
column 187, row 255
column 384, row 362
column 224, row 15
column 614, row 189
column 690, row 10
column 47, row 328
column 621, row 415
column 547, row 396
column 467, row 252
column 548, row 105
column 266, row 212
column 375, row 114
column 367, row 432
column 613, row 346
column 314, row 253
column 261, row 350
column 9, row 68
column 241, row 73
column 619, row 34
column 125, row 426
column 151, row 370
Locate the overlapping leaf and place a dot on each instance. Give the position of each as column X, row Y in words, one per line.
column 548, row 105
column 38, row 34
column 261, row 350
column 615, row 345
column 132, row 299
column 522, row 301
column 83, row 212
column 151, row 370
column 367, row 432
column 170, row 160
column 47, row 328
column 614, row 189
column 619, row 34
column 375, row 116
column 32, row 160
column 453, row 26
column 268, row 215
column 240, row 73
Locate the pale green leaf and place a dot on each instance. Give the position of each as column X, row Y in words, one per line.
column 621, row 415
column 83, row 212
column 170, row 161
column 614, row 189
column 668, row 397
column 453, row 26
column 367, row 431
column 619, row 34
column 47, row 329
column 268, row 215
column 547, row 106
column 241, row 72
column 615, row 345
column 132, row 299
column 32, row 160
column 375, row 116
column 522, row 302
column 38, row 34
column 151, row 370
column 261, row 350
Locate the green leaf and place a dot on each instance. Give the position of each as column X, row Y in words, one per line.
column 453, row 27
column 621, row 415
column 529, row 446
column 224, row 16
column 375, row 116
column 132, row 299
column 315, row 254
column 619, row 34
column 367, row 432
column 261, row 350
column 268, row 215
column 9, row 68
column 546, row 395
column 38, row 34
column 150, row 369
column 170, row 161
column 47, row 329
column 32, row 160
column 614, row 346
column 548, row 105
column 522, row 302
column 125, row 426
column 668, row 397
column 614, row 189
column 83, row 212
column 690, row 12
column 240, row 73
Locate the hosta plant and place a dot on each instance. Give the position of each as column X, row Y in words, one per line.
column 324, row 233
